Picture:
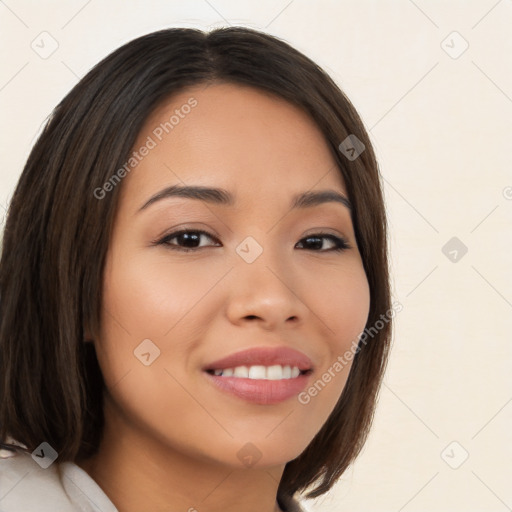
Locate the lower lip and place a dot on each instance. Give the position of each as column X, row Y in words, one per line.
column 260, row 391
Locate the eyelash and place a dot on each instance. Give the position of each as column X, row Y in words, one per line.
column 341, row 243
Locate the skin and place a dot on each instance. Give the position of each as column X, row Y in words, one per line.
column 171, row 439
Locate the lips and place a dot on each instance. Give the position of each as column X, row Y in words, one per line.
column 263, row 356
column 261, row 391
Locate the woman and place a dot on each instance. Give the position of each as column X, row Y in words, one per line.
column 193, row 259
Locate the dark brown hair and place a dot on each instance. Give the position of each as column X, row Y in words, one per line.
column 57, row 234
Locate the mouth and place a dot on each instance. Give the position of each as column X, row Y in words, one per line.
column 262, row 375
column 263, row 362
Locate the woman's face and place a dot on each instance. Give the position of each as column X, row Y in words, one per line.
column 263, row 277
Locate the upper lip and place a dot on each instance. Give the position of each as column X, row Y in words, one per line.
column 263, row 356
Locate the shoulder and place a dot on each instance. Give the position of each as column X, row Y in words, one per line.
column 25, row 485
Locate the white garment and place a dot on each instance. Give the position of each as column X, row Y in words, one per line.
column 62, row 487
column 27, row 487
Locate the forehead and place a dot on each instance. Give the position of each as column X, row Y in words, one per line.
column 235, row 137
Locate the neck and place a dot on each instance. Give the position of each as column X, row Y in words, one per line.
column 139, row 473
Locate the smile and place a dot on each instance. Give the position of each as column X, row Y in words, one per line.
column 258, row 389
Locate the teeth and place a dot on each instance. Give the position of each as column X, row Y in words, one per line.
column 257, row 372
column 275, row 372
column 241, row 371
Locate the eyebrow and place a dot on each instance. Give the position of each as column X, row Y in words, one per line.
column 222, row 197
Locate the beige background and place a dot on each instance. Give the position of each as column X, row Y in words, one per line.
column 441, row 122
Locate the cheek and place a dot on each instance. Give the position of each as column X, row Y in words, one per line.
column 341, row 300
column 151, row 302
column 150, row 297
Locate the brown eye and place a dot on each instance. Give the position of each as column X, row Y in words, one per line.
column 187, row 239
column 316, row 240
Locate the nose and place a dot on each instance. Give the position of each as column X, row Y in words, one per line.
column 266, row 292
